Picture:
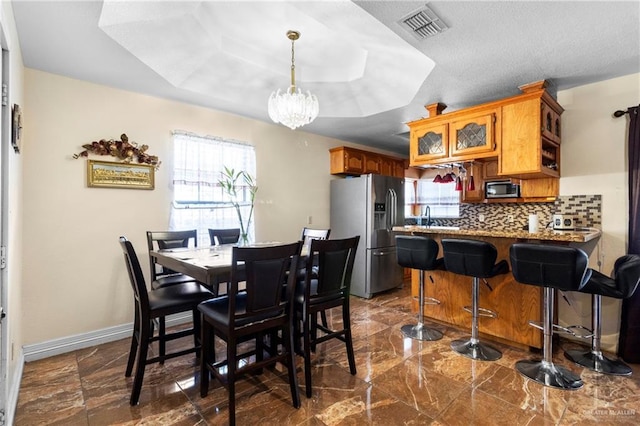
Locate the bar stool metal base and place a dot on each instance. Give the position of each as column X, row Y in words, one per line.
column 598, row 362
column 476, row 350
column 420, row 332
column 548, row 374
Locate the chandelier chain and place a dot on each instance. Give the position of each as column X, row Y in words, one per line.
column 293, row 66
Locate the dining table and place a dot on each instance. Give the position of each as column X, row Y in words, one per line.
column 204, row 264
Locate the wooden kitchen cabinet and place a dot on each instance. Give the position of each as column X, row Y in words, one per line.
column 531, row 135
column 355, row 162
column 517, row 138
column 490, row 170
column 539, row 190
column 429, row 142
column 476, row 195
column 473, row 136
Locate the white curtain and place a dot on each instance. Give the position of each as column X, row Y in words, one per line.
column 198, row 200
column 442, row 198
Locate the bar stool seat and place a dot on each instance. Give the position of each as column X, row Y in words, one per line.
column 552, row 267
column 420, row 253
column 626, row 276
column 476, row 259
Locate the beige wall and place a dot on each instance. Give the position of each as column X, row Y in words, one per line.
column 73, row 269
column 594, row 161
column 74, row 277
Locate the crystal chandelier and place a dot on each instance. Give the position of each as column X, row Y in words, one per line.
column 292, row 107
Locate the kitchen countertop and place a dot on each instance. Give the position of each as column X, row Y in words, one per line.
column 580, row 235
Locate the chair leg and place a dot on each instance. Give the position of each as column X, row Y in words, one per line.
column 287, row 337
column 346, row 320
column 473, row 348
column 206, row 348
column 544, row 371
column 162, row 344
column 141, row 362
column 196, row 331
column 231, row 378
column 419, row 331
column 306, row 337
column 323, row 318
column 135, row 343
column 594, row 359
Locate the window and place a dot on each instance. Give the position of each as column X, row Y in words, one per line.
column 198, row 200
column 442, row 198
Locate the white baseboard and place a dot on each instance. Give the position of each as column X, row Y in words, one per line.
column 85, row 340
column 14, row 390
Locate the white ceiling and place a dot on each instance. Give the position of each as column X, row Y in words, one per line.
column 370, row 75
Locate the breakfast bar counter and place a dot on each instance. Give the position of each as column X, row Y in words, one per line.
column 579, row 235
column 515, row 304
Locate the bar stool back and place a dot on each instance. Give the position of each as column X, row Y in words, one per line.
column 626, row 276
column 419, row 253
column 552, row 267
column 475, row 259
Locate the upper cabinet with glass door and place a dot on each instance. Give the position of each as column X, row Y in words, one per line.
column 474, row 135
column 429, row 142
column 454, row 137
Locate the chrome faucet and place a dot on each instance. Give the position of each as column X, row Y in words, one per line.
column 427, row 214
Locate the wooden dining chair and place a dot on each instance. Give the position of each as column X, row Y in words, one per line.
column 253, row 314
column 153, row 304
column 162, row 240
column 224, row 236
column 329, row 288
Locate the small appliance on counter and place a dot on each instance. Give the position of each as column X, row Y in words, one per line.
column 563, row 221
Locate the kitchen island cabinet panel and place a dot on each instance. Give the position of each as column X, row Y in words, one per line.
column 515, row 304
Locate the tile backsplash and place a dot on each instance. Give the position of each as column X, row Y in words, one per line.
column 587, row 209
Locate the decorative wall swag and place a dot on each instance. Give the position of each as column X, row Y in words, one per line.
column 123, row 150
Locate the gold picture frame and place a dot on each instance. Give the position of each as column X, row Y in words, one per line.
column 108, row 174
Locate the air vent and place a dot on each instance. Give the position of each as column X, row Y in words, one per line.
column 423, row 23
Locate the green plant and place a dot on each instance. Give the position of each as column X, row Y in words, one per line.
column 232, row 183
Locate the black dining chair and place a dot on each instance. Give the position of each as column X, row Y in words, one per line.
column 224, row 236
column 219, row 237
column 157, row 304
column 316, row 293
column 253, row 314
column 162, row 240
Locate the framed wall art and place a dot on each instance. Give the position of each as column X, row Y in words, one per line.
column 16, row 127
column 108, row 174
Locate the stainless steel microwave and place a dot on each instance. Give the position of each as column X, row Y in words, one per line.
column 501, row 189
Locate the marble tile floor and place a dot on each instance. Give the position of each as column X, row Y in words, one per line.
column 399, row 382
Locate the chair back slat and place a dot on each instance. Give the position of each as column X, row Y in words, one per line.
column 224, row 236
column 469, row 257
column 264, row 271
column 162, row 240
column 417, row 252
column 546, row 265
column 335, row 266
column 136, row 278
column 627, row 274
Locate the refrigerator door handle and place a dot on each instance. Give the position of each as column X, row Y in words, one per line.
column 387, row 200
column 394, row 209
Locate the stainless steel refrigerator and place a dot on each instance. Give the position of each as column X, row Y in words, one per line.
column 370, row 206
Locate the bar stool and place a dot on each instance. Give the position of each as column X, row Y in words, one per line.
column 474, row 259
column 552, row 267
column 626, row 272
column 419, row 253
